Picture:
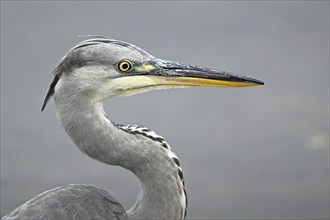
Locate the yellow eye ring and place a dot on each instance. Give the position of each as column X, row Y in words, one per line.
column 125, row 66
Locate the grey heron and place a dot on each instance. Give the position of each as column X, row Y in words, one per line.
column 97, row 69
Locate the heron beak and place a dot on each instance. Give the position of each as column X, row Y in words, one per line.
column 169, row 73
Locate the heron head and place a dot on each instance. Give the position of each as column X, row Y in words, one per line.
column 101, row 68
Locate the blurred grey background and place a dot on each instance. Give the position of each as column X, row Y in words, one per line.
column 258, row 152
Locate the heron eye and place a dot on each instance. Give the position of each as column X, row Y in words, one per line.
column 124, row 66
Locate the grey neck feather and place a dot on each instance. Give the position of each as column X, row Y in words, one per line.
column 95, row 135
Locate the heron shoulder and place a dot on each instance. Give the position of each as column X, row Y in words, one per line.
column 74, row 201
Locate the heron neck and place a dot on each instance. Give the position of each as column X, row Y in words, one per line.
column 162, row 194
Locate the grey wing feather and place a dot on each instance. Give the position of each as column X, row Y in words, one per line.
column 70, row 202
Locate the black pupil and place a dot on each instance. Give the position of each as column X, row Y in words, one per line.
column 124, row 66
